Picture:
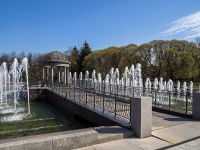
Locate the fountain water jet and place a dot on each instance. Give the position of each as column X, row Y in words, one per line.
column 131, row 84
column 12, row 87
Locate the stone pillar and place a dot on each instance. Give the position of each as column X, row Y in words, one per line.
column 141, row 116
column 67, row 75
column 196, row 106
column 46, row 70
column 58, row 74
column 65, row 70
column 52, row 74
column 47, row 73
column 43, row 72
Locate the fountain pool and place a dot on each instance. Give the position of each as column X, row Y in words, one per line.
column 44, row 118
column 20, row 118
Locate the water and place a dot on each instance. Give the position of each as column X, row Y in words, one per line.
column 14, row 85
column 44, row 118
column 130, row 83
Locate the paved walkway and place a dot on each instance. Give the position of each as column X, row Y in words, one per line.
column 168, row 132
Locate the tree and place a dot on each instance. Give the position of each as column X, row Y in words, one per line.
column 4, row 58
column 143, row 56
column 184, row 68
column 157, row 61
column 74, row 58
column 84, row 51
column 21, row 55
column 184, row 56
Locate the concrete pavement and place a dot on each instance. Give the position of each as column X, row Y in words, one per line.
column 168, row 132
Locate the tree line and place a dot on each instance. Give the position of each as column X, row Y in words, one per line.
column 36, row 60
column 174, row 59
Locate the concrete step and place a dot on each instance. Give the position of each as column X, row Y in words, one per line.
column 111, row 133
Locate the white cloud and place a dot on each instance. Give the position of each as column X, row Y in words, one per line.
column 188, row 27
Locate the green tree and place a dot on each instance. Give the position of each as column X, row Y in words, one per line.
column 84, row 51
column 184, row 68
column 191, row 55
column 157, row 60
column 143, row 56
column 127, row 56
column 74, row 58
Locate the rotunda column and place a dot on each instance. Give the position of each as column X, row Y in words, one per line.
column 43, row 72
column 58, row 74
column 65, row 75
column 47, row 70
column 51, row 73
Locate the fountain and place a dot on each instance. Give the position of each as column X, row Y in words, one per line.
column 14, row 88
column 15, row 117
column 131, row 84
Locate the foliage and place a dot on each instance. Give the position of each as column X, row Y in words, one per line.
column 174, row 59
column 84, row 51
column 74, row 59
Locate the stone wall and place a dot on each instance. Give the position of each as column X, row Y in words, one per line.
column 79, row 109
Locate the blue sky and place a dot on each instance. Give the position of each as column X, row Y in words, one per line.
column 41, row 26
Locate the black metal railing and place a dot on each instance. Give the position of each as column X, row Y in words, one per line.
column 116, row 98
column 171, row 100
column 97, row 96
column 113, row 103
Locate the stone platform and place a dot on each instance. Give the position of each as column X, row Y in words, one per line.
column 68, row 139
column 168, row 132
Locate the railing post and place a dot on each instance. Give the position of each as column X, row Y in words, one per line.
column 169, row 100
column 141, row 116
column 74, row 92
column 196, row 105
column 94, row 95
column 103, row 95
column 110, row 89
column 94, row 99
column 186, row 97
column 115, row 106
column 117, row 89
column 86, row 93
column 155, row 97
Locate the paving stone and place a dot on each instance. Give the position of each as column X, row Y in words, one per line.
column 115, row 145
column 178, row 133
column 148, row 143
column 191, row 145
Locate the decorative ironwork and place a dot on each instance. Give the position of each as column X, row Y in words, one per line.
column 115, row 99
